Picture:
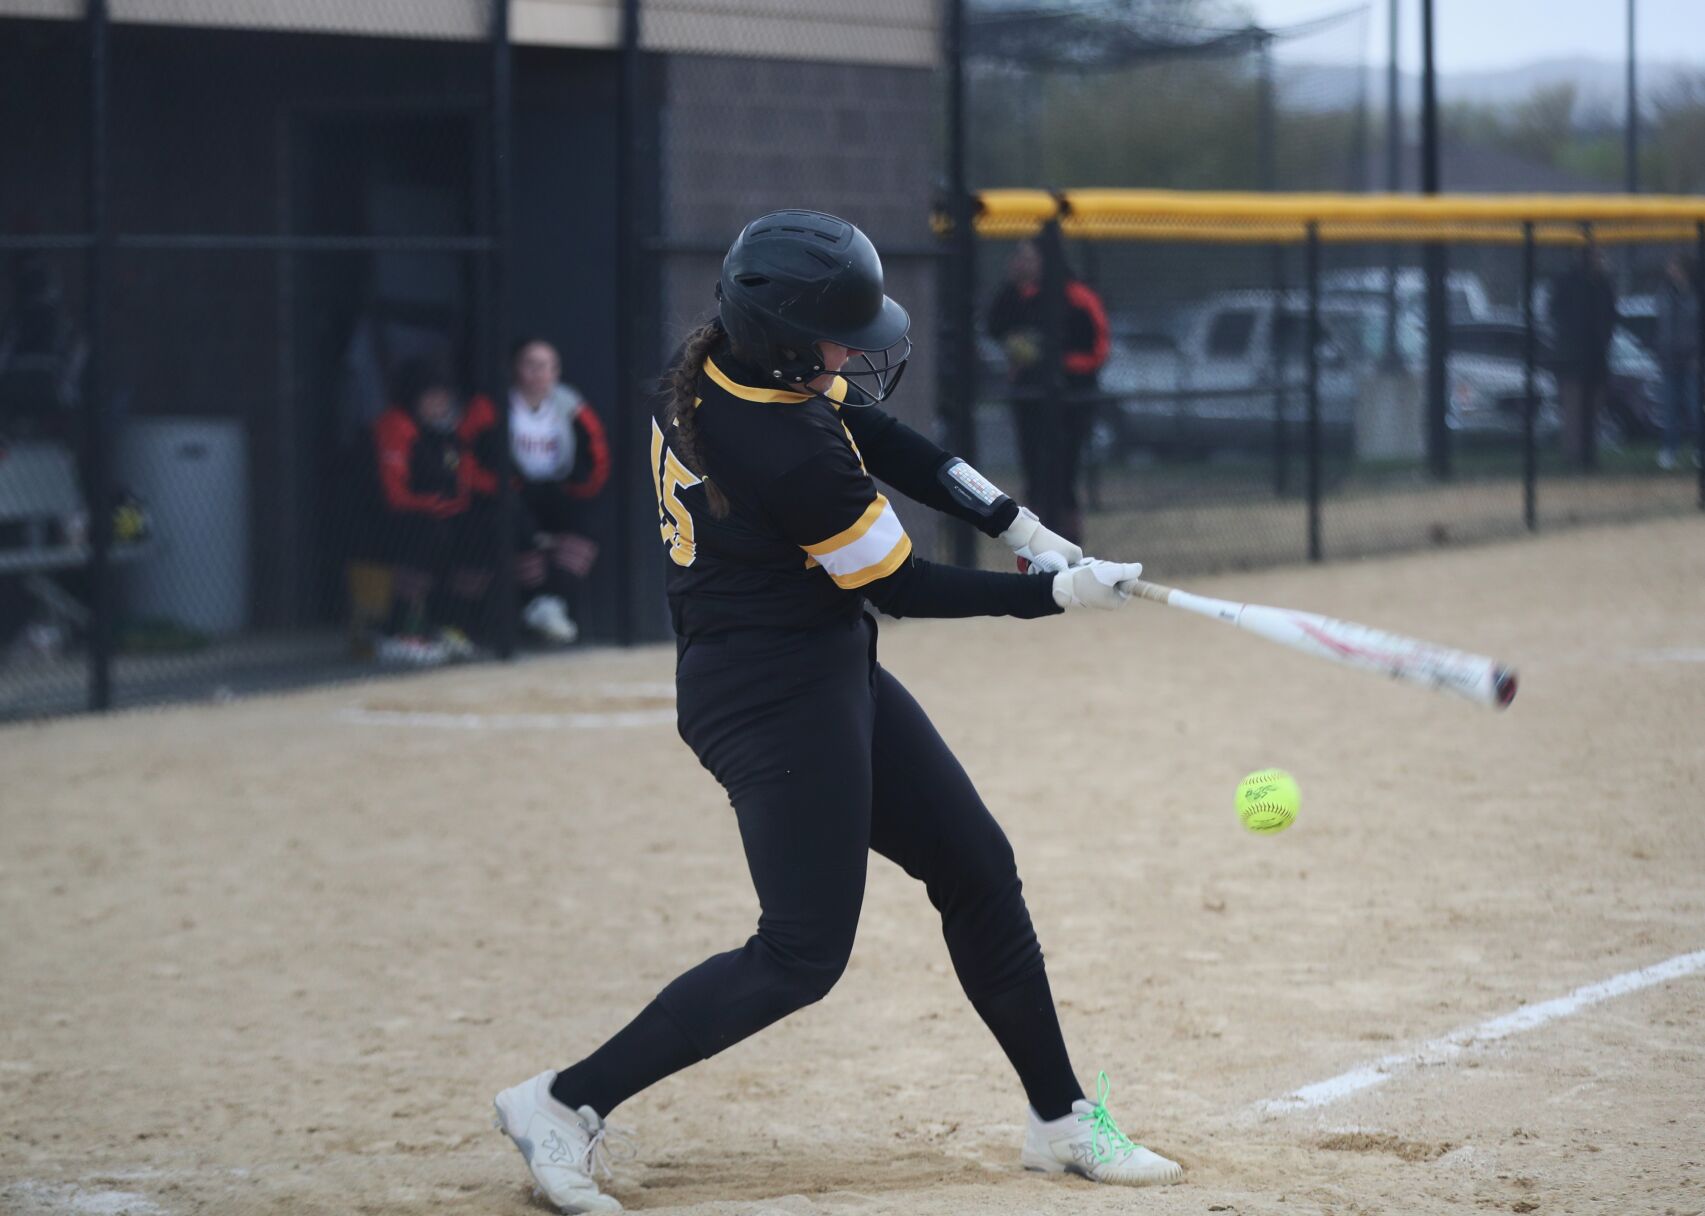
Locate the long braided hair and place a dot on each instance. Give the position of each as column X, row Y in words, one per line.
column 678, row 384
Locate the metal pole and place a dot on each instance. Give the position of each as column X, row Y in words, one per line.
column 958, row 376
column 1699, row 359
column 1276, row 374
column 497, row 275
column 1393, row 176
column 1429, row 104
column 1361, row 170
column 1631, row 127
column 1438, row 316
column 1267, row 167
column 1266, row 120
column 627, row 301
column 1313, row 273
column 1530, row 402
column 1590, row 400
column 1393, row 106
column 1052, row 403
column 96, row 405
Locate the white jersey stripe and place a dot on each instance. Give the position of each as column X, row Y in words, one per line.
column 875, row 552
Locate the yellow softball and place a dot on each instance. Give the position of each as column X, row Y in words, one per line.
column 1268, row 800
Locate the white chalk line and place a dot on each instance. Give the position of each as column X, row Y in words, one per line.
column 357, row 716
column 360, row 715
column 83, row 1200
column 1676, row 655
column 1442, row 1050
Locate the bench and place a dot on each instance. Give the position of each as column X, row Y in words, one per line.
column 38, row 495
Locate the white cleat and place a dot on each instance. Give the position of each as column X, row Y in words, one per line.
column 1088, row 1143
column 547, row 616
column 563, row 1148
column 412, row 651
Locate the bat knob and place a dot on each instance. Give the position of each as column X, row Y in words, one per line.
column 1504, row 684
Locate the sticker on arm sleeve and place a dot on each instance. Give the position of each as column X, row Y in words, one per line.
column 971, row 487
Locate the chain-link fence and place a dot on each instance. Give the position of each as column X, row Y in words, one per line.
column 229, row 239
column 44, row 352
column 1149, row 377
column 289, row 253
column 793, row 103
column 267, row 269
column 1179, row 94
column 1168, row 94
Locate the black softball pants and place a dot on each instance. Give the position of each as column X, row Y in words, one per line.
column 826, row 757
column 1052, row 439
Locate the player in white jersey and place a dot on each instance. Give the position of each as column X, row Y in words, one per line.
column 562, row 462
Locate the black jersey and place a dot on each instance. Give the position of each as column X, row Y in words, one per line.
column 808, row 535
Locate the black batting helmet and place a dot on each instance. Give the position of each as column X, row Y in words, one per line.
column 793, row 279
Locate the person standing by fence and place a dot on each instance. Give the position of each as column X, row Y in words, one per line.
column 1051, row 434
column 1678, row 353
column 1583, row 320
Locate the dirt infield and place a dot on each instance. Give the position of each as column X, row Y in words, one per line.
column 276, row 956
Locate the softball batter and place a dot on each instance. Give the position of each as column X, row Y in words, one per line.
column 763, row 450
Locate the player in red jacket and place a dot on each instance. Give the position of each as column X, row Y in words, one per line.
column 442, row 546
column 1057, row 428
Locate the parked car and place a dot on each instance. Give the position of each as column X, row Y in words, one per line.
column 1465, row 294
column 1639, row 315
column 1233, row 376
column 1219, row 384
column 1635, row 391
column 1486, row 373
column 1636, row 388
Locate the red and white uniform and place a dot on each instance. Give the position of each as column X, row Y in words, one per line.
column 560, row 444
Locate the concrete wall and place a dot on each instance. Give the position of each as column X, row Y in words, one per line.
column 870, row 31
column 742, row 136
column 900, row 32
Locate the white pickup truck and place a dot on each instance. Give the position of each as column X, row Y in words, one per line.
column 1235, row 377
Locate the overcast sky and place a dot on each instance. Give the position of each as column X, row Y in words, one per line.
column 1472, row 35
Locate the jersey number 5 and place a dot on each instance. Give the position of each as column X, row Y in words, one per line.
column 669, row 476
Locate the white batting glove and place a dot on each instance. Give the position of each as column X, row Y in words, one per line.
column 1093, row 583
column 1043, row 548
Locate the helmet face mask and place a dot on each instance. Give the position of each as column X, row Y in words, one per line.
column 882, row 370
column 793, row 279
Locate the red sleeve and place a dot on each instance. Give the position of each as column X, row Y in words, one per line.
column 476, row 431
column 1083, row 362
column 597, row 449
column 393, row 441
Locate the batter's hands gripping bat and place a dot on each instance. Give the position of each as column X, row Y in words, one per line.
column 1413, row 662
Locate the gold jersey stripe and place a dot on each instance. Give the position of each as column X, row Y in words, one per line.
column 847, row 536
column 746, row 393
column 836, row 393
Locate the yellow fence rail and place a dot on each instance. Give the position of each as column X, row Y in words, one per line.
column 1215, row 216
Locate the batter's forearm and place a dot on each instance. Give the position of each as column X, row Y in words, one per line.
column 922, row 471
column 925, row 589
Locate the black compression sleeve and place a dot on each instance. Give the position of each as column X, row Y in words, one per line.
column 925, row 589
column 910, row 463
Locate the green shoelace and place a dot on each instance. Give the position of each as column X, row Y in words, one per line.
column 1102, row 1127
